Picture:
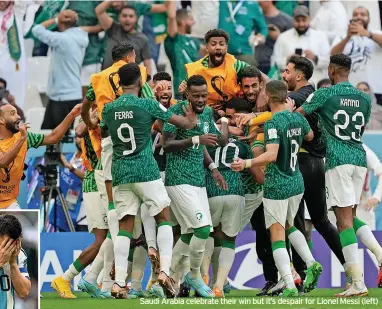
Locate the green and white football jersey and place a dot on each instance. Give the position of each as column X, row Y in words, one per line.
column 343, row 112
column 129, row 120
column 283, row 178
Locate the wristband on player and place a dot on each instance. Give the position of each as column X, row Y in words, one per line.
column 248, row 163
column 56, row 20
column 195, row 142
column 224, row 120
column 212, row 166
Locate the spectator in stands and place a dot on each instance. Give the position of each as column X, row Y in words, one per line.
column 68, row 51
column 324, row 83
column 155, row 27
column 375, row 122
column 123, row 31
column 363, row 46
column 7, row 97
column 206, row 17
column 179, row 46
column 94, row 51
column 331, row 18
column 305, row 41
column 239, row 19
column 12, row 56
column 277, row 22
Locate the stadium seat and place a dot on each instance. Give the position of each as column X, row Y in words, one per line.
column 32, row 98
column 38, row 72
column 35, row 116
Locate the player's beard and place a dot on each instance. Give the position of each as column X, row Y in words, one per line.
column 12, row 127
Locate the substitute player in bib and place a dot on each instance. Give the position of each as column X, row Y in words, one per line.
column 13, row 263
column 219, row 68
column 14, row 144
column 284, row 185
column 343, row 111
column 185, row 179
column 136, row 177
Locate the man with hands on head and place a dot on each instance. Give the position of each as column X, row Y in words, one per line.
column 15, row 140
column 13, row 262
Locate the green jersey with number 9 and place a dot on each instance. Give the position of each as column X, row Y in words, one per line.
column 283, row 178
column 223, row 157
column 129, row 120
column 343, row 111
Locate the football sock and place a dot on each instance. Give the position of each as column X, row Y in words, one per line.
column 282, row 261
column 180, row 249
column 138, row 268
column 108, row 255
column 165, row 241
column 350, row 251
column 149, row 226
column 226, row 258
column 299, row 243
column 365, row 235
column 207, row 257
column 96, row 267
column 112, row 219
column 73, row 270
column 121, row 253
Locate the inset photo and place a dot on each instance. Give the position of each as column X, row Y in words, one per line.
column 19, row 266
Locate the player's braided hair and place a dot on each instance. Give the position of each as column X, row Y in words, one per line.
column 249, row 71
column 129, row 74
column 196, row 80
column 162, row 76
column 216, row 33
column 341, row 60
column 10, row 226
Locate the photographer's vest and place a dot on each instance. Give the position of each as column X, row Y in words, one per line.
column 10, row 182
column 106, row 88
column 221, row 81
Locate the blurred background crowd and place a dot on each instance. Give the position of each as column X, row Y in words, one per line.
column 49, row 49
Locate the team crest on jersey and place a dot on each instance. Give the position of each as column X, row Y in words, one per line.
column 199, row 216
column 206, row 127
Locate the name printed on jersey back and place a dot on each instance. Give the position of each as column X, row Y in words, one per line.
column 124, row 115
column 294, row 132
column 349, row 102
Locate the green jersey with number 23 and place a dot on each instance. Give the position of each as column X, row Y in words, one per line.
column 129, row 120
column 344, row 111
column 283, row 178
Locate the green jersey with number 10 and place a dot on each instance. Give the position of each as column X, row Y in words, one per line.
column 223, row 157
column 283, row 178
column 344, row 111
column 129, row 120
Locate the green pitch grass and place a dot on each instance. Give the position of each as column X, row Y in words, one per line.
column 318, row 299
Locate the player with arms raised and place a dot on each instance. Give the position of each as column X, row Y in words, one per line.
column 344, row 111
column 135, row 173
column 284, row 185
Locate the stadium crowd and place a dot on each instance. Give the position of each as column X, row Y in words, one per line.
column 258, row 119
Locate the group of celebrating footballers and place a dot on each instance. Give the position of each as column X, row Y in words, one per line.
column 178, row 181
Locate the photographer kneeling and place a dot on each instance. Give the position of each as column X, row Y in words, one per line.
column 15, row 140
